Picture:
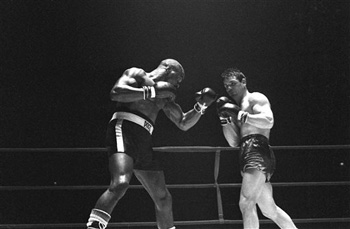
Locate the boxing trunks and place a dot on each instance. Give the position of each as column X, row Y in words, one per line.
column 131, row 134
column 255, row 152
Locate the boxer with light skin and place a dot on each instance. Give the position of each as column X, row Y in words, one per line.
column 248, row 126
column 139, row 97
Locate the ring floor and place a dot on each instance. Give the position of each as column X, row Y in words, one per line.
column 322, row 225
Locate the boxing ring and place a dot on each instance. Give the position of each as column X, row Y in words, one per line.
column 219, row 222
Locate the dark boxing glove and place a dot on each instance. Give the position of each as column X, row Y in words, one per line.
column 204, row 98
column 221, row 101
column 227, row 110
column 233, row 111
column 224, row 120
column 160, row 90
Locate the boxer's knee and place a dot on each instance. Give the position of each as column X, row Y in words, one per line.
column 164, row 201
column 247, row 202
column 119, row 185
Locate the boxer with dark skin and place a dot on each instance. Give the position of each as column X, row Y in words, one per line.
column 140, row 96
column 246, row 122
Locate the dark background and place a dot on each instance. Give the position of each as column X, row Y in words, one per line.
column 59, row 60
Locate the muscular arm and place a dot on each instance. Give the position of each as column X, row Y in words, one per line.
column 262, row 116
column 126, row 88
column 231, row 132
column 183, row 121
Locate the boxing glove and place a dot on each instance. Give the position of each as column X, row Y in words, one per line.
column 204, row 98
column 221, row 101
column 160, row 90
column 230, row 109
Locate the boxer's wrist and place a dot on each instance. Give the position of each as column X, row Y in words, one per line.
column 242, row 116
column 149, row 92
column 199, row 108
column 225, row 120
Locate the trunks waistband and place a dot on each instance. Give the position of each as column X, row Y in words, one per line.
column 135, row 119
column 245, row 138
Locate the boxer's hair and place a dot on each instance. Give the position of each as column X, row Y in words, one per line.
column 233, row 72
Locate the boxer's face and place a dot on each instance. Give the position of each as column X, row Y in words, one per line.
column 233, row 86
column 174, row 77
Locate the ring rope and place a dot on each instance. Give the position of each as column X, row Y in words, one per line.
column 171, row 186
column 169, row 149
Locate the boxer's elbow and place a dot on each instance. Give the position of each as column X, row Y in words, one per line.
column 115, row 94
column 183, row 127
column 269, row 122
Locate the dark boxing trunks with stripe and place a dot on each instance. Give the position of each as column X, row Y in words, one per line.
column 131, row 134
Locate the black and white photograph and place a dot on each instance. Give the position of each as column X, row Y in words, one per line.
column 175, row 114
